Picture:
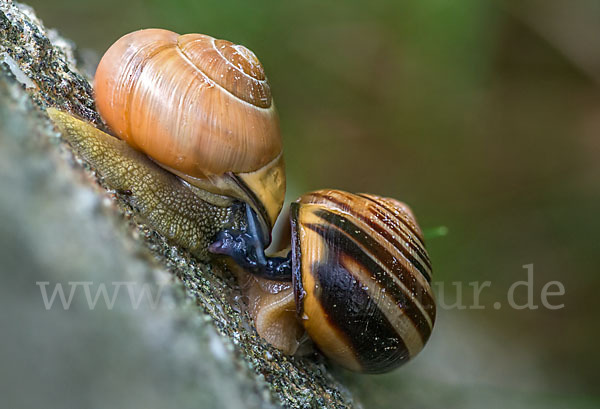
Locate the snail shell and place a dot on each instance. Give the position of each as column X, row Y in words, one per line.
column 199, row 107
column 360, row 279
column 361, row 275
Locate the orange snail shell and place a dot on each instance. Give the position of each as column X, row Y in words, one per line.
column 198, row 106
column 361, row 280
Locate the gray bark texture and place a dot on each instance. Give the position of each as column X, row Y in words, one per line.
column 138, row 324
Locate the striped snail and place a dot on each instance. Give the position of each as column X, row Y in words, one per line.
column 199, row 108
column 360, row 281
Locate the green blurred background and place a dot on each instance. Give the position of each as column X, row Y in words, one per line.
column 484, row 116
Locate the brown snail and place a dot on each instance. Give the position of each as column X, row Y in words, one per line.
column 360, row 281
column 199, row 107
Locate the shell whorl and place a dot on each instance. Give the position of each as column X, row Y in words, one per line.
column 231, row 66
column 361, row 276
column 197, row 105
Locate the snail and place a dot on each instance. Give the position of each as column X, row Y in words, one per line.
column 198, row 154
column 198, row 134
column 357, row 279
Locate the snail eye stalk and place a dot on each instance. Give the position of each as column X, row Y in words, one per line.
column 247, row 249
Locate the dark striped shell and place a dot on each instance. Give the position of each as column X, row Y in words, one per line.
column 361, row 278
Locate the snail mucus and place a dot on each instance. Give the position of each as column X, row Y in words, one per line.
column 199, row 154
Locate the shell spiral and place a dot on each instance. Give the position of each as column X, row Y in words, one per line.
column 362, row 278
column 195, row 104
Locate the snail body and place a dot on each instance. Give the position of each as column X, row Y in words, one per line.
column 360, row 278
column 162, row 200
